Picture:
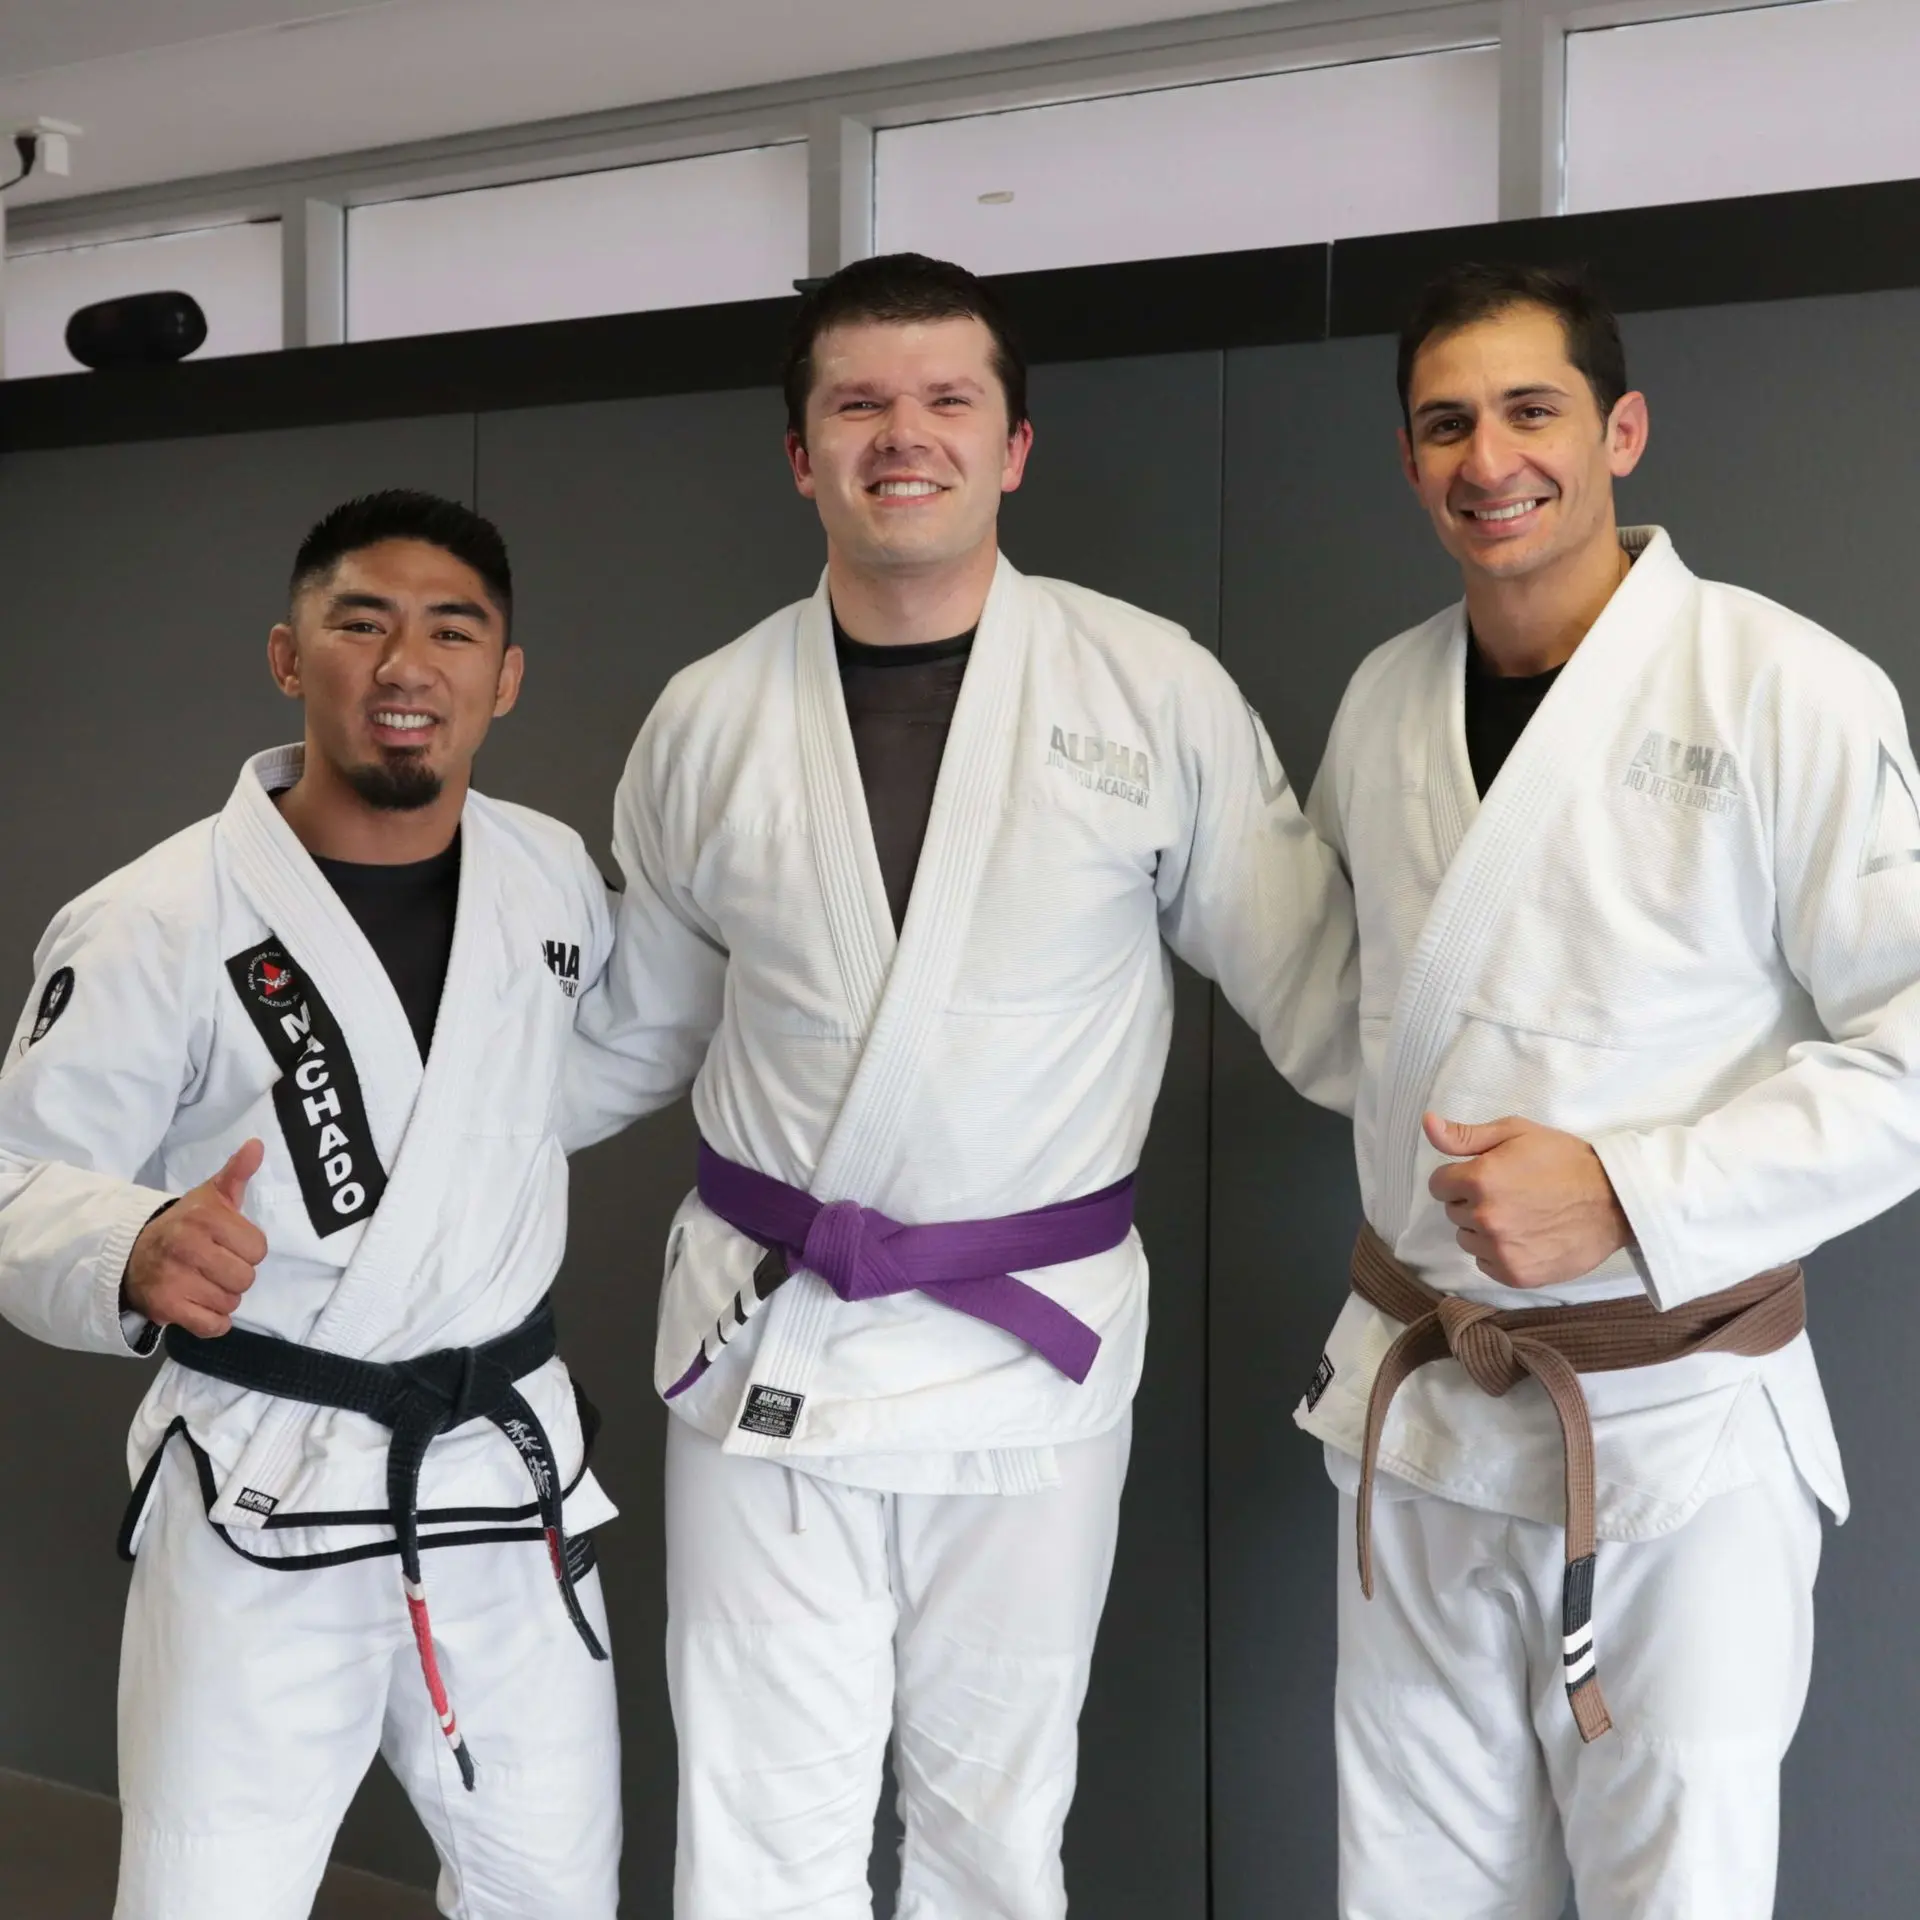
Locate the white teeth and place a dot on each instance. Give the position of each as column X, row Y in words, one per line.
column 1503, row 513
column 406, row 722
column 904, row 489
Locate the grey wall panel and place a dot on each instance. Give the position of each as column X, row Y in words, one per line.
column 1123, row 495
column 1326, row 554
column 1779, row 460
column 137, row 585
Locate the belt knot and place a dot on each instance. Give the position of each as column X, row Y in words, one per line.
column 1481, row 1345
column 845, row 1250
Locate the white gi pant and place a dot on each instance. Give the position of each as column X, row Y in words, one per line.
column 1465, row 1790
column 252, row 1702
column 808, row 1621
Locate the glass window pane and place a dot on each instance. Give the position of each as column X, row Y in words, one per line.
column 682, row 233
column 1318, row 154
column 234, row 273
column 1724, row 104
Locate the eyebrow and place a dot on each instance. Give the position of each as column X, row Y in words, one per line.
column 1525, row 392
column 379, row 603
column 868, row 389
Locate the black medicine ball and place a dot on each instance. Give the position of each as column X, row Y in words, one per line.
column 141, row 330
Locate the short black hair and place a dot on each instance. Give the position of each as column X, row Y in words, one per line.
column 405, row 513
column 1478, row 290
column 901, row 288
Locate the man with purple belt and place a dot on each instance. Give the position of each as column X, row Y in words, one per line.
column 903, row 865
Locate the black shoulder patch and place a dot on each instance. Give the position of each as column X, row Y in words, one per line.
column 323, row 1114
column 54, row 1001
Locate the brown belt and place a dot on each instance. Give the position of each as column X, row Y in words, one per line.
column 1556, row 1345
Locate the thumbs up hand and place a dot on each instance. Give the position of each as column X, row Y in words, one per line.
column 1532, row 1205
column 192, row 1264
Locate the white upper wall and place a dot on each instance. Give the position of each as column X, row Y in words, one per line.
column 1767, row 101
column 1324, row 153
column 170, row 89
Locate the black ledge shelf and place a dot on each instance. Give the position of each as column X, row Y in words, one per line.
column 1701, row 253
column 1770, row 247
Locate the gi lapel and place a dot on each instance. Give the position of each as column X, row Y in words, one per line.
column 899, row 1003
column 1453, row 802
column 416, row 1115
column 1574, row 726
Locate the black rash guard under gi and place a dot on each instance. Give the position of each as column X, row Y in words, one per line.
column 407, row 913
column 1498, row 709
column 900, row 704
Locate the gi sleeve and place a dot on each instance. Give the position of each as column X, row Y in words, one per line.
column 1833, row 1138
column 644, row 1023
column 94, row 1074
column 1258, row 902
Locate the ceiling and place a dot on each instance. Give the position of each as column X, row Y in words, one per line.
column 170, row 89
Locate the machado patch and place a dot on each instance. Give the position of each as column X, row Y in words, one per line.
column 54, row 1001
column 772, row 1411
column 322, row 1112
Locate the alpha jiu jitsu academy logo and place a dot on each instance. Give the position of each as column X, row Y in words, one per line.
column 1701, row 776
column 1102, row 766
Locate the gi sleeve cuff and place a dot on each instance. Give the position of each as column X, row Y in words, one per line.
column 111, row 1330
column 1655, row 1250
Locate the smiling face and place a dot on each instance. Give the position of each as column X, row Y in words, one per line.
column 1508, row 450
column 402, row 661
column 908, row 447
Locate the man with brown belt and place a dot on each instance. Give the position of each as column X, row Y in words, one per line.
column 1637, row 866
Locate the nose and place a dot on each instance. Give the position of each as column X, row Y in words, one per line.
column 406, row 662
column 905, row 426
column 1492, row 456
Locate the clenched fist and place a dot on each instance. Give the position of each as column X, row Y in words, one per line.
column 192, row 1264
column 1532, row 1205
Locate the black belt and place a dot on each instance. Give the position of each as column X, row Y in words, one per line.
column 418, row 1400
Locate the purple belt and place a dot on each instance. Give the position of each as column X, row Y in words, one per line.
column 967, row 1265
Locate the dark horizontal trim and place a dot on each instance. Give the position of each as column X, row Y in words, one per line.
column 1703, row 253
column 616, row 356
column 1199, row 303
column 1770, row 247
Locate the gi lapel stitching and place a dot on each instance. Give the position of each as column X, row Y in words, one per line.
column 1573, row 727
column 975, row 776
column 1452, row 800
column 369, row 1300
column 852, row 889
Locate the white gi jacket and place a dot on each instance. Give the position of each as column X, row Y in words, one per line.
column 1684, row 924
column 1106, row 793
column 139, row 1067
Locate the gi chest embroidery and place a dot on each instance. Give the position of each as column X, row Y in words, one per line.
column 323, row 1115
column 563, row 962
column 1698, row 776
column 1102, row 766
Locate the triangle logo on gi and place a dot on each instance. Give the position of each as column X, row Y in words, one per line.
column 1893, row 831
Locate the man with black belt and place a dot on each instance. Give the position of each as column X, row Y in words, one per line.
column 283, row 1104
column 914, row 850
column 1637, row 865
